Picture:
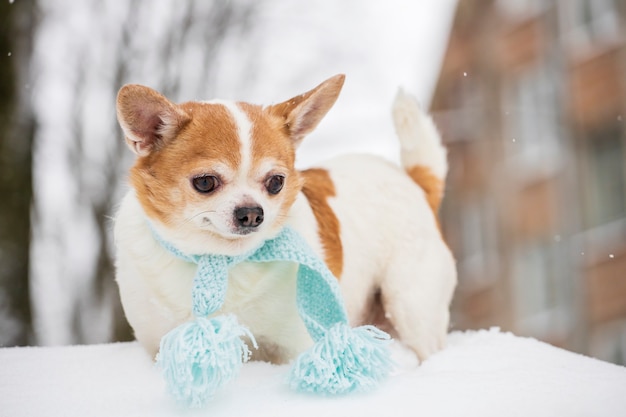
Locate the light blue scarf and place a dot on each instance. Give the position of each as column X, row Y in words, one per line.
column 199, row 356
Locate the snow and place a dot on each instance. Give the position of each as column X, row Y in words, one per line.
column 480, row 373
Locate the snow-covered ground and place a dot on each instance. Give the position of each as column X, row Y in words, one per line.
column 483, row 373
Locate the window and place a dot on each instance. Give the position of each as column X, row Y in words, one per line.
column 590, row 21
column 478, row 261
column 531, row 121
column 606, row 183
column 608, row 342
column 521, row 8
column 541, row 289
column 465, row 120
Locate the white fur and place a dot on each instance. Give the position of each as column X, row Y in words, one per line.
column 244, row 129
column 390, row 239
column 419, row 139
column 156, row 287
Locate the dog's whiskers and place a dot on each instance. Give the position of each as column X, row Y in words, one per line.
column 190, row 219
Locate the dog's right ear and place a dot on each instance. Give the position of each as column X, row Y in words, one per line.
column 147, row 118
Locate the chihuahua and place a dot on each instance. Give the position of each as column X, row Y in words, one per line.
column 219, row 177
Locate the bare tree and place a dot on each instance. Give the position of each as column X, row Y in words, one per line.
column 171, row 46
column 17, row 129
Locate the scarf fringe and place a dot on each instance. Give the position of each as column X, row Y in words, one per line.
column 344, row 360
column 200, row 356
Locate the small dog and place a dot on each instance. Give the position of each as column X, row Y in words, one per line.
column 219, row 177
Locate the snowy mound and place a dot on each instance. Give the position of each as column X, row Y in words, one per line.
column 484, row 373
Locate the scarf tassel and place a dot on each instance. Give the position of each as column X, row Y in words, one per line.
column 200, row 356
column 344, row 360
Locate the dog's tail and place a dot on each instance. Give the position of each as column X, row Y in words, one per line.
column 423, row 155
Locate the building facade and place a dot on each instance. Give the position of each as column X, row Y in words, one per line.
column 531, row 102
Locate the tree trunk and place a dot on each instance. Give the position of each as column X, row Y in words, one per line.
column 17, row 129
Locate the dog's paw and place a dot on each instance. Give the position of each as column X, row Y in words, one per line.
column 428, row 346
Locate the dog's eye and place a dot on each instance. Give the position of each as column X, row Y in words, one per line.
column 274, row 184
column 205, row 183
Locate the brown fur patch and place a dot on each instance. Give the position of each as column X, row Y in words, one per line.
column 431, row 184
column 161, row 178
column 318, row 187
column 268, row 138
column 269, row 141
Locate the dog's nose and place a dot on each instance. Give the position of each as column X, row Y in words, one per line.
column 249, row 216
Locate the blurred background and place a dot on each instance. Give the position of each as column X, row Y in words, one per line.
column 530, row 97
column 531, row 100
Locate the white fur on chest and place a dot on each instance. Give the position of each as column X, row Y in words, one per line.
column 155, row 286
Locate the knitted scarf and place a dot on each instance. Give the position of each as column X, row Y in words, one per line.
column 199, row 356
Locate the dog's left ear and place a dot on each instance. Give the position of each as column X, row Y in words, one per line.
column 303, row 113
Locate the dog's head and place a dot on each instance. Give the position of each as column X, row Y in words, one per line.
column 218, row 176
